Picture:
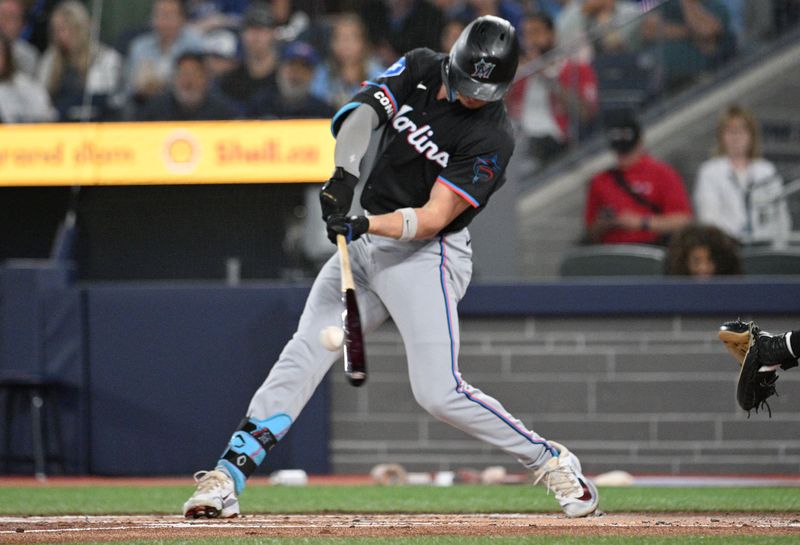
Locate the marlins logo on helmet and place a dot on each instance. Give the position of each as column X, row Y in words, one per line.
column 483, row 69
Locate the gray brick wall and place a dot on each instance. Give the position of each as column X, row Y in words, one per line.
column 642, row 394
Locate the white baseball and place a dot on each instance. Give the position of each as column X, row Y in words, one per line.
column 332, row 338
column 493, row 475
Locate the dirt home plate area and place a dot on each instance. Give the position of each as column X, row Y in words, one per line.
column 158, row 527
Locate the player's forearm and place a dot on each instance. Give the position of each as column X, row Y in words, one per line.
column 391, row 225
column 386, row 225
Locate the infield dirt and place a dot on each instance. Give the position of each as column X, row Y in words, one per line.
column 58, row 529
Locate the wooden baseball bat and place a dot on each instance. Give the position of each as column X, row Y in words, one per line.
column 355, row 360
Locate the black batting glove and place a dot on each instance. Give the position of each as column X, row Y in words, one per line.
column 351, row 227
column 336, row 195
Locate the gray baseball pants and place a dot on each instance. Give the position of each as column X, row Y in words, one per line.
column 418, row 284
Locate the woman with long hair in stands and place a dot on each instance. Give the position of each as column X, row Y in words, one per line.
column 75, row 66
column 348, row 63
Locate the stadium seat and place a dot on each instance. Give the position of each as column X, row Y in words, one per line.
column 614, row 260
column 771, row 261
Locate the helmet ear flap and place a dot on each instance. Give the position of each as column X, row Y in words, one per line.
column 449, row 90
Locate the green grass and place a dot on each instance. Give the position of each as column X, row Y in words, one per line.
column 373, row 499
column 461, row 540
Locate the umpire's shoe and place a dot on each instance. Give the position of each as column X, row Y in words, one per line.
column 214, row 497
column 562, row 475
column 773, row 351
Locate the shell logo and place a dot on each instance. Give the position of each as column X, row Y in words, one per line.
column 181, row 152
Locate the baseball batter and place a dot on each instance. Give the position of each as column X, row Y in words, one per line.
column 443, row 150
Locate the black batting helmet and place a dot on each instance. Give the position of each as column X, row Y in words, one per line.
column 483, row 61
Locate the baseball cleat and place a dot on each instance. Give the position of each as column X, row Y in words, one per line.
column 214, row 497
column 562, row 475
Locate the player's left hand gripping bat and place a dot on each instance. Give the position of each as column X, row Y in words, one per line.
column 355, row 361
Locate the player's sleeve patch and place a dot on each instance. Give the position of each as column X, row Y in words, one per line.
column 396, row 69
column 459, row 191
column 485, row 169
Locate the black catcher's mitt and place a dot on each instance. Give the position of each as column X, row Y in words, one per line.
column 757, row 377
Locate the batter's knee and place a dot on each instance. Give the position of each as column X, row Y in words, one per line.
column 434, row 401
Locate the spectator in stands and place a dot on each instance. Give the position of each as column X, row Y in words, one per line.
column 207, row 15
column 82, row 76
column 558, row 100
column 293, row 98
column 551, row 8
column 397, row 26
column 190, row 98
column 12, row 19
column 220, row 47
column 291, row 23
column 22, row 99
column 255, row 77
column 738, row 190
column 691, row 36
column 702, row 251
column 349, row 63
column 306, row 244
column 639, row 200
column 606, row 25
column 152, row 55
column 37, row 22
column 450, row 32
column 509, row 10
column 450, row 8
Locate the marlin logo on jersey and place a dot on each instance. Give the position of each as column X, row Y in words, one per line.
column 420, row 138
column 482, row 69
column 484, row 169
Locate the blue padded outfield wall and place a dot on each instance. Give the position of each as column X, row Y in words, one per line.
column 41, row 333
column 157, row 375
column 172, row 370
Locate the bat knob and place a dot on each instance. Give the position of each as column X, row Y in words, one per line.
column 357, row 378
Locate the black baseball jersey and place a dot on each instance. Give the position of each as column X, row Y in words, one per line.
column 430, row 141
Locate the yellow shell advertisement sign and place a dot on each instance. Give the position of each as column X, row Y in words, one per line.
column 166, row 153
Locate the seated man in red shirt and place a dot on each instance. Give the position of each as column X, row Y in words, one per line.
column 641, row 199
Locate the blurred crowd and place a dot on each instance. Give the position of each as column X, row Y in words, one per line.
column 738, row 199
column 583, row 62
column 225, row 59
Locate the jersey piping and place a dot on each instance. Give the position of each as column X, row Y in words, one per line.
column 458, row 191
